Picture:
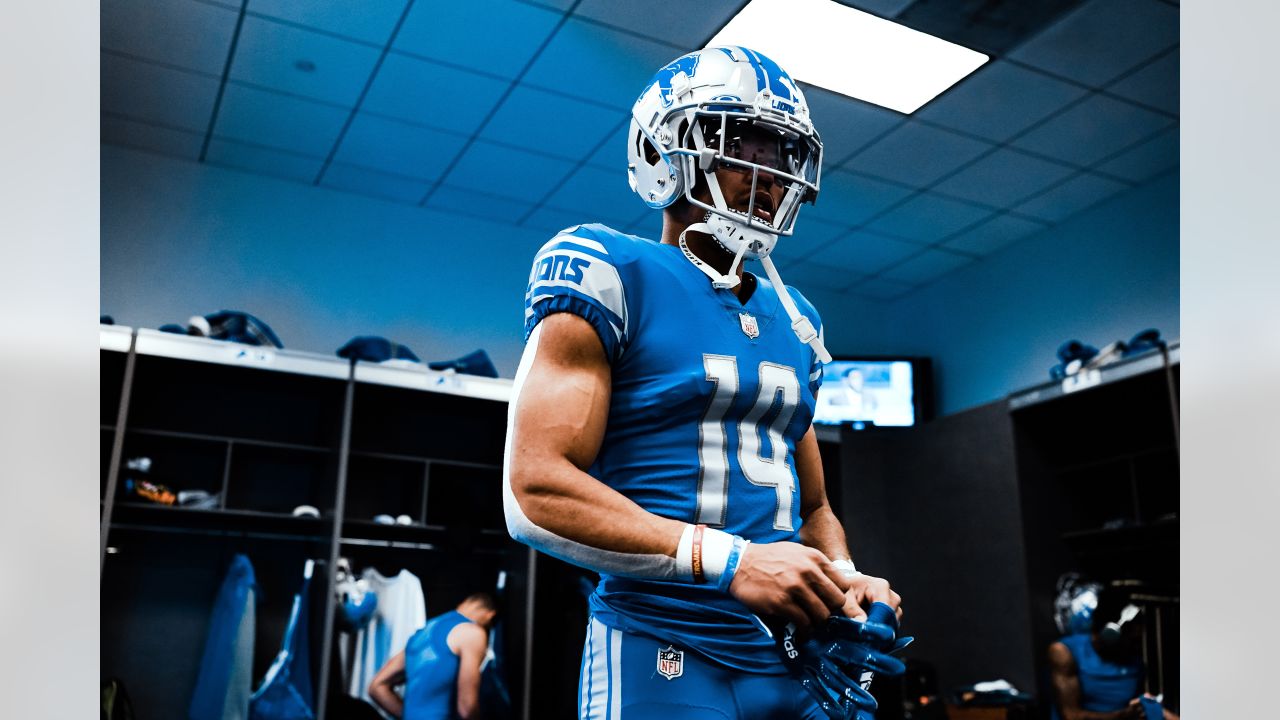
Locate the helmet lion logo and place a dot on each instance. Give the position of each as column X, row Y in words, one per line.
column 687, row 64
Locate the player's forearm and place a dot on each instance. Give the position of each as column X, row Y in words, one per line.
column 563, row 500
column 387, row 699
column 822, row 530
column 468, row 705
column 557, row 508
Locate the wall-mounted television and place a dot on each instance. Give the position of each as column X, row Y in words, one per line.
column 868, row 392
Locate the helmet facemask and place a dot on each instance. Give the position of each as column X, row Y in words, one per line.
column 726, row 138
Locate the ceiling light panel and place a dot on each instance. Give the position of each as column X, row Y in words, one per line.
column 851, row 52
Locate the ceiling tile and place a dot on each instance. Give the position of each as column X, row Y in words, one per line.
column 620, row 64
column 398, row 148
column 493, row 36
column 571, row 132
column 999, row 101
column 806, row 275
column 999, row 232
column 267, row 52
column 561, row 5
column 1102, row 39
column 552, row 220
column 881, row 289
column 844, row 124
column 471, row 203
column 367, row 20
column 157, row 95
column 1092, row 130
column 510, row 173
column 1002, row 178
column 810, row 236
column 1071, row 197
column 698, row 21
column 597, row 196
column 166, row 141
column 179, row 32
column 1155, row 85
column 431, row 94
column 883, row 8
column 364, row 181
column 917, row 155
column 648, row 226
column 927, row 218
column 866, row 252
column 927, row 267
column 267, row 118
column 848, row 199
column 263, row 161
column 613, row 152
column 1146, row 160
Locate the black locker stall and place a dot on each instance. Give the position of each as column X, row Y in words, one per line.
column 263, row 431
column 975, row 515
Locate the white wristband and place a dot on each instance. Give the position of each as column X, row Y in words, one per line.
column 846, row 568
column 717, row 547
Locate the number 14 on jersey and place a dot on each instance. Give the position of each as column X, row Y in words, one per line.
column 778, row 385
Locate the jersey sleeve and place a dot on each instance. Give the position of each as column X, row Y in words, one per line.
column 574, row 272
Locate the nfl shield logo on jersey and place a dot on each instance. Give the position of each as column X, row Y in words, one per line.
column 670, row 663
column 749, row 325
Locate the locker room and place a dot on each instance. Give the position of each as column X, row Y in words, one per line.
column 318, row 223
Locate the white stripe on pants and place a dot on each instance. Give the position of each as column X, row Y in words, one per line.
column 600, row 687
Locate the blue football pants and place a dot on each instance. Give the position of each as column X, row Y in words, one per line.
column 621, row 680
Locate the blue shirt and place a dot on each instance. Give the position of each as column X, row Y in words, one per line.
column 709, row 398
column 431, row 670
column 1105, row 686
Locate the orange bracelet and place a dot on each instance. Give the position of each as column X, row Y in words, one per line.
column 698, row 576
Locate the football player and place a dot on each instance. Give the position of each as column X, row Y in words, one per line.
column 660, row 428
column 440, row 666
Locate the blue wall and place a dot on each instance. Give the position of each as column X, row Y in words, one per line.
column 321, row 266
column 994, row 326
column 317, row 265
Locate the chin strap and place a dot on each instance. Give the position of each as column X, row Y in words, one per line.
column 799, row 323
column 720, row 282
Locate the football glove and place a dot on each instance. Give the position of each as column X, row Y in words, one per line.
column 836, row 664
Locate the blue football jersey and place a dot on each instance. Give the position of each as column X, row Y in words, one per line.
column 709, row 398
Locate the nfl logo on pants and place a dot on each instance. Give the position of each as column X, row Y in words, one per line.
column 670, row 663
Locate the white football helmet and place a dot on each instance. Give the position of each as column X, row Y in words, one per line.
column 693, row 117
column 710, row 92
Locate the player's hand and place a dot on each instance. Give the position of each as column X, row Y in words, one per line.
column 866, row 589
column 1134, row 710
column 791, row 582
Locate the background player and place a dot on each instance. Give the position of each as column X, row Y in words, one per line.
column 660, row 429
column 1098, row 675
column 440, row 665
